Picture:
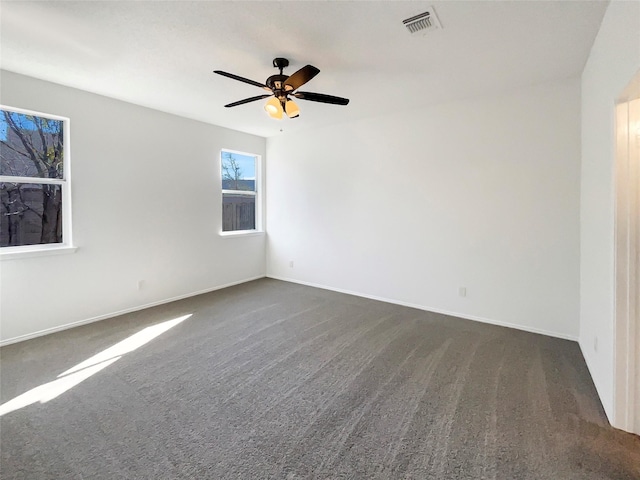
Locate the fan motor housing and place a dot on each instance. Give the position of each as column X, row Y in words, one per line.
column 276, row 84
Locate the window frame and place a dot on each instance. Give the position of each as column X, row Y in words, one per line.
column 258, row 230
column 67, row 246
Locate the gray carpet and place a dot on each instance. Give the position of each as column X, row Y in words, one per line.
column 276, row 380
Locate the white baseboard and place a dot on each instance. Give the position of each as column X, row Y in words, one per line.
column 66, row 326
column 434, row 310
column 292, row 280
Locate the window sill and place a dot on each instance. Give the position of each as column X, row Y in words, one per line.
column 242, row 233
column 13, row 253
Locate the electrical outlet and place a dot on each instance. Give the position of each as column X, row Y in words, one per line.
column 140, row 284
column 595, row 344
column 290, row 263
column 462, row 291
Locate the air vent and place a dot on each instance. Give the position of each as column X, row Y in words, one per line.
column 422, row 22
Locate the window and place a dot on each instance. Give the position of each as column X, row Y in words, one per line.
column 240, row 199
column 35, row 210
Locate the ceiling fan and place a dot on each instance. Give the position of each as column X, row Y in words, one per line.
column 281, row 87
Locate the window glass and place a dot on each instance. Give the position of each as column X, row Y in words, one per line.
column 238, row 212
column 31, row 146
column 30, row 214
column 34, row 198
column 239, row 199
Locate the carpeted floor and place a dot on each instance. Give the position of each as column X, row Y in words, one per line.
column 276, row 380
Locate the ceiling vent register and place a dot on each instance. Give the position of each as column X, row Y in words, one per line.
column 424, row 21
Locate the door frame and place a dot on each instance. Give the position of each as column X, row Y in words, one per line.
column 627, row 271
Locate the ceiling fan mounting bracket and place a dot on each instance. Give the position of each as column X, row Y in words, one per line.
column 280, row 63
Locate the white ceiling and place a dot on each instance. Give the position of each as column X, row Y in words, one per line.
column 162, row 54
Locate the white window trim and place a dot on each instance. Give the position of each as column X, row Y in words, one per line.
column 26, row 251
column 242, row 233
column 258, row 194
column 240, row 192
column 29, row 251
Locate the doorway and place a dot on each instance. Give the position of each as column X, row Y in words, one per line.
column 627, row 260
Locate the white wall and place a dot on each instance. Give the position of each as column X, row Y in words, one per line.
column 614, row 59
column 146, row 206
column 408, row 207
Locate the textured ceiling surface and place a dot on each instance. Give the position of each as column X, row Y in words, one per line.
column 162, row 54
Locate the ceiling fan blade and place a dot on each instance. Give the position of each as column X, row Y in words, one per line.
column 321, row 97
column 247, row 100
column 301, row 77
column 241, row 79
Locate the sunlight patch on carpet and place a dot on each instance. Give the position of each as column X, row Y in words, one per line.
column 77, row 374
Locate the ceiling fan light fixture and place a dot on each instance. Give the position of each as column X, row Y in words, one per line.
column 274, row 108
column 292, row 109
